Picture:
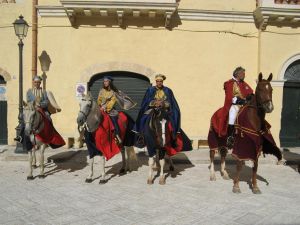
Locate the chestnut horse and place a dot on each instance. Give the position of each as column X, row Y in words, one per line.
column 254, row 115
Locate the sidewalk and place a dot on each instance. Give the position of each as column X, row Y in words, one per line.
column 188, row 197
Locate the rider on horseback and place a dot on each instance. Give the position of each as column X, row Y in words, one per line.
column 237, row 92
column 159, row 95
column 161, row 98
column 108, row 96
column 38, row 96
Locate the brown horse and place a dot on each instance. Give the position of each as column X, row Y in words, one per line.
column 248, row 141
column 253, row 132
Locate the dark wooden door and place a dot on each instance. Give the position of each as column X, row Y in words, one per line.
column 132, row 84
column 290, row 116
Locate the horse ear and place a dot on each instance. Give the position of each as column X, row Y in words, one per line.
column 25, row 104
column 270, row 77
column 260, row 77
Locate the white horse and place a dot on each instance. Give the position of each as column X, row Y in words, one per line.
column 89, row 118
column 34, row 124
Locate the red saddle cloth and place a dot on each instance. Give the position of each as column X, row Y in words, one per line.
column 249, row 143
column 49, row 135
column 170, row 148
column 105, row 136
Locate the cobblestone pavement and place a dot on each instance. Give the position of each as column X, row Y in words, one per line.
column 187, row 198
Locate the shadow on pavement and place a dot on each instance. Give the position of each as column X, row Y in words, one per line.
column 76, row 160
column 292, row 159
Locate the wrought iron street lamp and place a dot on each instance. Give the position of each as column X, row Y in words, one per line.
column 45, row 62
column 21, row 28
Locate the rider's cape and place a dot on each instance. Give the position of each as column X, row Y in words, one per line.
column 48, row 134
column 219, row 120
column 53, row 107
column 249, row 143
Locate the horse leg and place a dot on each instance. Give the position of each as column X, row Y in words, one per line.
column 172, row 168
column 212, row 167
column 34, row 159
column 123, row 169
column 102, row 178
column 255, row 188
column 42, row 151
column 236, row 188
column 162, row 178
column 151, row 163
column 223, row 170
column 89, row 179
column 30, row 177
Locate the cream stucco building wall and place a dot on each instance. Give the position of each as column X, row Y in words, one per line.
column 197, row 56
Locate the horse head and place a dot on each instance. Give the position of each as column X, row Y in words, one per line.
column 263, row 93
column 29, row 117
column 89, row 113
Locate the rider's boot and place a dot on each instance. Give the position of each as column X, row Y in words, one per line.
column 230, row 136
column 18, row 139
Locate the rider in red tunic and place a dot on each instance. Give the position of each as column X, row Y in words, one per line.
column 236, row 93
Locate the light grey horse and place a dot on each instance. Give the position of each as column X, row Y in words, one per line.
column 88, row 120
column 34, row 125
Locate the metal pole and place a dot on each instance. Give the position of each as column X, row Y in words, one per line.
column 19, row 146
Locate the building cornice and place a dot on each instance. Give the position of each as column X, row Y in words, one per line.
column 270, row 13
column 215, row 15
column 184, row 14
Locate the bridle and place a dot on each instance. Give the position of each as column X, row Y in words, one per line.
column 32, row 129
column 89, row 107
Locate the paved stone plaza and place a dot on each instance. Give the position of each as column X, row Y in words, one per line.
column 187, row 198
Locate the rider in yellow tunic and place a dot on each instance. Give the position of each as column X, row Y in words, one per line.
column 108, row 96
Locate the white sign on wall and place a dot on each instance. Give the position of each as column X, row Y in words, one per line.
column 3, row 93
column 81, row 89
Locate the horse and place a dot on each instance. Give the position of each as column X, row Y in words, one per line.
column 90, row 119
column 251, row 126
column 157, row 136
column 33, row 125
column 257, row 106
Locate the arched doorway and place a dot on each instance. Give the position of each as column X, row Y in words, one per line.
column 290, row 115
column 3, row 112
column 133, row 84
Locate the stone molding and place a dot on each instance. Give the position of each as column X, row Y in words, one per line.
column 215, row 15
column 269, row 13
column 5, row 74
column 184, row 14
column 97, row 68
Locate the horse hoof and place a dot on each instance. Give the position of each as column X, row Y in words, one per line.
column 162, row 181
column 30, row 178
column 172, row 168
column 149, row 181
column 256, row 190
column 41, row 176
column 213, row 178
column 34, row 166
column 226, row 177
column 88, row 180
column 122, row 172
column 103, row 181
column 236, row 190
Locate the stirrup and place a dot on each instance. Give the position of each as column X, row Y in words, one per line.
column 118, row 140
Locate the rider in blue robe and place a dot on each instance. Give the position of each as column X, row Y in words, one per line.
column 165, row 94
column 153, row 93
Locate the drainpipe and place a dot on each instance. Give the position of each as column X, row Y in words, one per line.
column 34, row 37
